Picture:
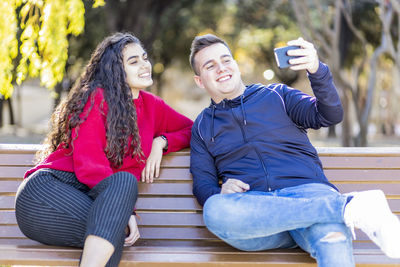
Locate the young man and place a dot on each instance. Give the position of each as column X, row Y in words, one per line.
column 274, row 193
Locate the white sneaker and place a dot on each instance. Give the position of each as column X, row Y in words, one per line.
column 369, row 211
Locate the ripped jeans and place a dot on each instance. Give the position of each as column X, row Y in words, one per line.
column 309, row 215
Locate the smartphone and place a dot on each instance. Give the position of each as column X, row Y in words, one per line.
column 281, row 57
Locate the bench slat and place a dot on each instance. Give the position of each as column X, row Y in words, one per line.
column 157, row 233
column 142, row 204
column 186, row 257
column 167, row 174
column 171, row 160
column 16, row 160
column 360, row 162
column 187, row 205
column 185, row 189
column 182, row 161
column 183, row 174
column 172, row 233
column 146, row 219
column 363, row 175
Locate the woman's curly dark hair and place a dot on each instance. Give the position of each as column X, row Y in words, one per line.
column 105, row 70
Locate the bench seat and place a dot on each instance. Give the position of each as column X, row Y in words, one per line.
column 171, row 224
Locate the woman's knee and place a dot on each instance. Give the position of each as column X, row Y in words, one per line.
column 125, row 180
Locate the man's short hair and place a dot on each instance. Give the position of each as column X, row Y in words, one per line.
column 200, row 42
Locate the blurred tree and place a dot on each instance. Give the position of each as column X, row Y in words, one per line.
column 266, row 24
column 34, row 41
column 349, row 45
column 389, row 46
column 165, row 27
column 42, row 28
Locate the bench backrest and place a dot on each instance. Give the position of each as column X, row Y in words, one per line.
column 167, row 207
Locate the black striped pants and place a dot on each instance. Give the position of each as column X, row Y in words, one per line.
column 54, row 208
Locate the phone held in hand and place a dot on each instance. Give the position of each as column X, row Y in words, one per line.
column 282, row 59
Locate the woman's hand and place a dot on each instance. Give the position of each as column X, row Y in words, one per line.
column 133, row 232
column 152, row 168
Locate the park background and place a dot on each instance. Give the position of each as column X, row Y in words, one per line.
column 52, row 41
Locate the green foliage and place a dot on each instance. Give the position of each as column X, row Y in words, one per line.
column 43, row 27
column 8, row 45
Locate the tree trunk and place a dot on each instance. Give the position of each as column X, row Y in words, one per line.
column 332, row 131
column 346, row 126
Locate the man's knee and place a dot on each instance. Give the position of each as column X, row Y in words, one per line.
column 220, row 211
column 211, row 208
column 333, row 237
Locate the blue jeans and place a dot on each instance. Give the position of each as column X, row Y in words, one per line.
column 309, row 215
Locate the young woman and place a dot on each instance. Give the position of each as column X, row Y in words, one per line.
column 105, row 136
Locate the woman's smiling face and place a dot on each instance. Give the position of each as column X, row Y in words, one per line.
column 137, row 67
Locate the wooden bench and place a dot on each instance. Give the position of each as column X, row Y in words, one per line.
column 171, row 225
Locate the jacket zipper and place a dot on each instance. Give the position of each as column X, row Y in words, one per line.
column 258, row 152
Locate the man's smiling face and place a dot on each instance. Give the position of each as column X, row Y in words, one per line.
column 218, row 72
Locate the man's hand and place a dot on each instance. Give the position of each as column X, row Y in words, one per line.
column 153, row 162
column 308, row 57
column 234, row 186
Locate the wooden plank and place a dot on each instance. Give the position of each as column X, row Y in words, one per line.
column 12, row 172
column 187, row 256
column 388, row 189
column 162, row 189
column 183, row 174
column 146, row 219
column 171, row 160
column 184, row 161
column 16, row 159
column 175, row 174
column 174, row 160
column 185, row 189
column 159, row 233
column 211, row 258
column 363, row 175
column 361, row 162
column 47, row 257
column 9, row 186
column 19, row 148
column 359, row 151
column 7, row 202
column 165, row 189
column 142, row 204
column 167, row 174
column 168, row 204
column 7, row 217
column 164, row 219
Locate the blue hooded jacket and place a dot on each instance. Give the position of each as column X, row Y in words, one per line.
column 260, row 137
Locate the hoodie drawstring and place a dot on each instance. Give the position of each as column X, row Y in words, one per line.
column 212, row 123
column 243, row 110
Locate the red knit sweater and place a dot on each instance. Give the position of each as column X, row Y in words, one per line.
column 88, row 160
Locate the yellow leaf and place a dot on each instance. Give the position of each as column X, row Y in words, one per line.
column 98, row 3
